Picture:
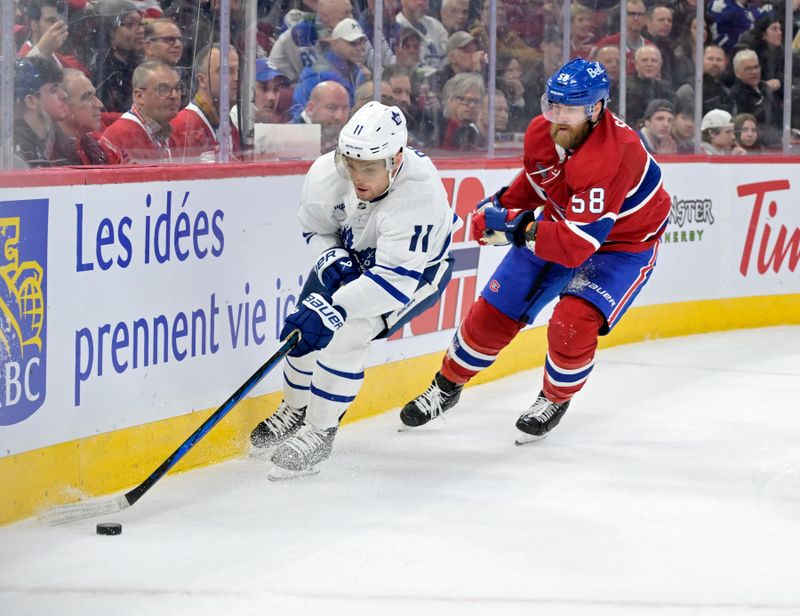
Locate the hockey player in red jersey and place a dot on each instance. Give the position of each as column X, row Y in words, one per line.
column 584, row 216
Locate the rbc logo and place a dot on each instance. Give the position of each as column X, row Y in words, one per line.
column 23, row 292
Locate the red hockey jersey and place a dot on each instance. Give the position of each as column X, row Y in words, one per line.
column 605, row 195
column 136, row 143
column 195, row 138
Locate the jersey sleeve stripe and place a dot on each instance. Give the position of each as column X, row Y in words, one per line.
column 386, row 286
column 355, row 376
column 583, row 235
column 415, row 275
column 639, row 197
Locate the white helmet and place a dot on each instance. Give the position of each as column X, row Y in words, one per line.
column 376, row 131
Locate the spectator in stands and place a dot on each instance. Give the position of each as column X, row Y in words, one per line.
column 454, row 15
column 301, row 45
column 683, row 71
column 114, row 77
column 500, row 118
column 581, row 32
column 82, row 143
column 461, row 98
column 659, row 30
column 752, row 95
column 715, row 94
column 683, row 12
column 328, row 106
column 399, row 81
column 366, row 93
column 343, row 62
column 731, row 18
column 717, row 127
column 463, row 56
column 683, row 129
column 391, row 32
column 656, row 133
column 745, row 132
column 519, row 106
column 540, row 71
column 408, row 50
column 644, row 85
column 36, row 89
column 508, row 38
column 414, row 14
column 143, row 134
column 163, row 40
column 766, row 39
column 634, row 25
column 608, row 56
column 194, row 129
column 47, row 28
column 269, row 82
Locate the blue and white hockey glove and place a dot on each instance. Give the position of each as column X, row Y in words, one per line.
column 335, row 267
column 492, row 224
column 317, row 319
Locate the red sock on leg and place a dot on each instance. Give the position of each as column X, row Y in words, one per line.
column 481, row 336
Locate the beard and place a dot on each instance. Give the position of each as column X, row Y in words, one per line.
column 568, row 136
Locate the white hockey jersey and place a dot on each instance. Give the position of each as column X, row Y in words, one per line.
column 395, row 238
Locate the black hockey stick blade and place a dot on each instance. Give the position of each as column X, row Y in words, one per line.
column 108, row 505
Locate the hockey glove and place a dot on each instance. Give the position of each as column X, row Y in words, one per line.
column 317, row 319
column 492, row 224
column 335, row 267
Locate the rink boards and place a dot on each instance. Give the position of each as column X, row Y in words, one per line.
column 134, row 302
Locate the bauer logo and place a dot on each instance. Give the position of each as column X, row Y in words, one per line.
column 23, row 293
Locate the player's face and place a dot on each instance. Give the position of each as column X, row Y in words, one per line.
column 370, row 177
column 569, row 124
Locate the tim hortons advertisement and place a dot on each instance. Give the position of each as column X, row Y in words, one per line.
column 129, row 303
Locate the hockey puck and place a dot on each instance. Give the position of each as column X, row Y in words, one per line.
column 109, row 528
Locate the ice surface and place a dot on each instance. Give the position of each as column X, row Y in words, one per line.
column 671, row 487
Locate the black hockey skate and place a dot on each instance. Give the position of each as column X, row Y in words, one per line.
column 542, row 417
column 279, row 426
column 441, row 396
column 301, row 454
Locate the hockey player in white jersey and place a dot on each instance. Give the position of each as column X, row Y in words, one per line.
column 376, row 215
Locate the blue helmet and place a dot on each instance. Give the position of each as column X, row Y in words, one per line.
column 579, row 82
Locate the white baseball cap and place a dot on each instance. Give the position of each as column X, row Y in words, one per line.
column 716, row 118
column 349, row 30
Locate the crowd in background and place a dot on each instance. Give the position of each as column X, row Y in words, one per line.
column 122, row 81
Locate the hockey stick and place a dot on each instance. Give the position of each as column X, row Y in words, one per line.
column 103, row 506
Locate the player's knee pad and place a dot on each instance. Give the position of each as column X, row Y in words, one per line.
column 573, row 328
column 479, row 339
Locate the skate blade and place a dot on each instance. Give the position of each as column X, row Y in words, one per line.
column 276, row 473
column 526, row 439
